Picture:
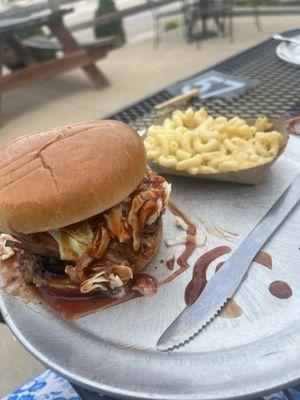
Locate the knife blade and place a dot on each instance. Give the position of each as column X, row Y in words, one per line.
column 222, row 286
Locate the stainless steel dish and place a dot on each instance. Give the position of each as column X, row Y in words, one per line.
column 289, row 52
column 114, row 351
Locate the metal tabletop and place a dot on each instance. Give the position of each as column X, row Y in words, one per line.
column 278, row 93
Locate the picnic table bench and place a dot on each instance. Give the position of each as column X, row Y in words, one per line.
column 75, row 56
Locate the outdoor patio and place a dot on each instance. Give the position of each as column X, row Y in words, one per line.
column 70, row 97
column 134, row 71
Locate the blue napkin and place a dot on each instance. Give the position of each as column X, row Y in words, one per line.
column 50, row 386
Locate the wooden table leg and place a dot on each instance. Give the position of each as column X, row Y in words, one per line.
column 21, row 51
column 70, row 44
column 96, row 76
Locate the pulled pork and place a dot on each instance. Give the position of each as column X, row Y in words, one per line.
column 99, row 254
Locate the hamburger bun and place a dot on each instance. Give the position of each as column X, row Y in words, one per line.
column 56, row 178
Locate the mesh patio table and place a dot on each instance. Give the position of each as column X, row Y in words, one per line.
column 278, row 93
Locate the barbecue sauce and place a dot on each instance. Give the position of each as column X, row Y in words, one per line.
column 264, row 259
column 73, row 307
column 196, row 286
column 170, row 263
column 280, row 289
column 71, row 304
column 219, row 266
column 198, row 282
column 231, row 310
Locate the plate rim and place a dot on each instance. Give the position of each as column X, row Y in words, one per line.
column 283, row 345
column 279, row 49
column 89, row 384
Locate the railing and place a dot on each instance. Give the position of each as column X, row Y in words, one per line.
column 116, row 15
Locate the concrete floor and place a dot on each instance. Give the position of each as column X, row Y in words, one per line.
column 134, row 71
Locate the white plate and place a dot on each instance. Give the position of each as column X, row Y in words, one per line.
column 289, row 52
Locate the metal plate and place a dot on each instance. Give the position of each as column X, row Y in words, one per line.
column 113, row 351
column 289, row 52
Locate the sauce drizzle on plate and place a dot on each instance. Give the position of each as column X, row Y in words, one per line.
column 280, row 289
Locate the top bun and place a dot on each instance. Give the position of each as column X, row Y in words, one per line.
column 53, row 179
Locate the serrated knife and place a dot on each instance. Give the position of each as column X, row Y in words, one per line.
column 222, row 286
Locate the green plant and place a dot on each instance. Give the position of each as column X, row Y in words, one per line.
column 114, row 28
column 171, row 24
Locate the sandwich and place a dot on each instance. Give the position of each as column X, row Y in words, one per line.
column 80, row 211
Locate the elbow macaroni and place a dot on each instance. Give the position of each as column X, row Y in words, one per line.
column 192, row 141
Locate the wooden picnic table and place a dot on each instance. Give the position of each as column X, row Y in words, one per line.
column 11, row 47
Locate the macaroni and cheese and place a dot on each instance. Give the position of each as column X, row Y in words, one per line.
column 196, row 143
